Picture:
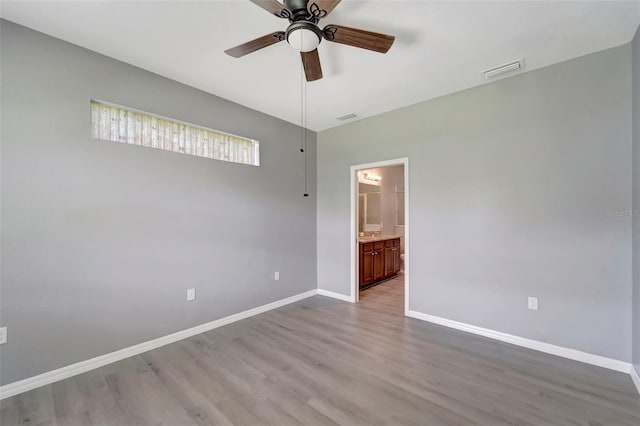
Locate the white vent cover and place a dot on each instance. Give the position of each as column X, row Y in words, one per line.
column 504, row 69
column 347, row 117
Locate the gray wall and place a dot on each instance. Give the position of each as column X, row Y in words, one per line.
column 100, row 240
column 635, row 70
column 510, row 185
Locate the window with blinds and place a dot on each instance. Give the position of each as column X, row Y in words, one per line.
column 118, row 124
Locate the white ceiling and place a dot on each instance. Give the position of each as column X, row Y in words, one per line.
column 440, row 47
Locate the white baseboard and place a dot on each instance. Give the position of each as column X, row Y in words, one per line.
column 52, row 376
column 635, row 376
column 573, row 354
column 335, row 295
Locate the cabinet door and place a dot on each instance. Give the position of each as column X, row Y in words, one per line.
column 378, row 264
column 396, row 256
column 366, row 267
column 396, row 260
column 389, row 261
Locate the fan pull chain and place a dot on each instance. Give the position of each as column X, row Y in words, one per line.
column 302, row 108
column 306, row 109
column 303, row 124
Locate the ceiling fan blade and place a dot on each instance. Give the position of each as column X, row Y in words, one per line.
column 257, row 44
column 311, row 63
column 274, row 7
column 321, row 8
column 358, row 38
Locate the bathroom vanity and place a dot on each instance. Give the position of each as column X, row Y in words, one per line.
column 379, row 258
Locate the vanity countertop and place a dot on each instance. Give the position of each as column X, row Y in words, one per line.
column 372, row 239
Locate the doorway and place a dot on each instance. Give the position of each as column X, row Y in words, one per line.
column 380, row 229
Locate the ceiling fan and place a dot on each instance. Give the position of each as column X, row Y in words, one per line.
column 304, row 35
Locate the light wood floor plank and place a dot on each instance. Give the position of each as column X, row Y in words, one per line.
column 325, row 362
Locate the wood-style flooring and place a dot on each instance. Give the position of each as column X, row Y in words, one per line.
column 324, row 362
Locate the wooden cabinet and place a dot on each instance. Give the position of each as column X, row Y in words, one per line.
column 366, row 264
column 379, row 260
column 392, row 257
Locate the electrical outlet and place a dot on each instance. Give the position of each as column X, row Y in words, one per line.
column 191, row 294
column 533, row 303
column 276, row 276
column 3, row 335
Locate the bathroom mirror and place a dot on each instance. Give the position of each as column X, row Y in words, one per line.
column 369, row 207
column 372, row 206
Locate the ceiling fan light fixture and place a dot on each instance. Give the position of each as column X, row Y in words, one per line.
column 303, row 36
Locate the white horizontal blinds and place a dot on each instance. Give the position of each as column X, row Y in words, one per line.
column 121, row 125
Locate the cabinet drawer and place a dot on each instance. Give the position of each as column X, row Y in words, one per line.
column 388, row 243
column 396, row 242
column 378, row 244
column 366, row 246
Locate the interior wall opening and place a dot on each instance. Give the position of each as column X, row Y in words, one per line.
column 380, row 234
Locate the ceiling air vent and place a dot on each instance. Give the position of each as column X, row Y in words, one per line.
column 347, row 117
column 504, row 69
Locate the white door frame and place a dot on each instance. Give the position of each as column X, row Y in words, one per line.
column 353, row 237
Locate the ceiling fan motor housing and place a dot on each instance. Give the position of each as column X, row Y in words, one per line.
column 299, row 10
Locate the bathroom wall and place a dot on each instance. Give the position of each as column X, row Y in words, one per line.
column 392, row 181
